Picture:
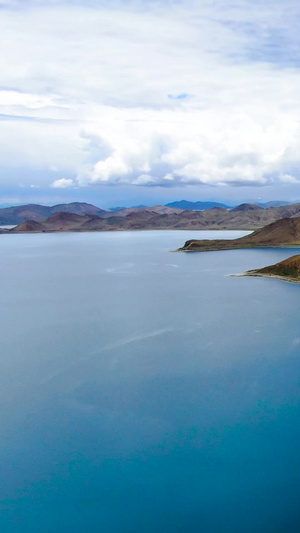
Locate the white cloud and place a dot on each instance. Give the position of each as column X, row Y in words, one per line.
column 152, row 94
column 40, row 146
column 62, row 183
column 215, row 146
column 11, row 99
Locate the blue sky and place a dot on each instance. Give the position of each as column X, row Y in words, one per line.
column 128, row 102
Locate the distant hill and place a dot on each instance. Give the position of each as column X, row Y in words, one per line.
column 274, row 203
column 288, row 270
column 282, row 233
column 20, row 213
column 161, row 209
column 114, row 209
column 195, row 206
column 30, row 226
column 61, row 221
column 246, row 207
column 246, row 216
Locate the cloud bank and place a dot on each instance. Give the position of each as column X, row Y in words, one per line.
column 151, row 93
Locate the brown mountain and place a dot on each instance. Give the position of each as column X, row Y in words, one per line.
column 132, row 221
column 217, row 218
column 246, row 207
column 79, row 208
column 31, row 226
column 246, row 216
column 20, row 213
column 288, row 270
column 65, row 222
column 282, row 233
column 57, row 223
column 160, row 209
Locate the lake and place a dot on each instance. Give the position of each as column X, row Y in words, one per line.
column 146, row 391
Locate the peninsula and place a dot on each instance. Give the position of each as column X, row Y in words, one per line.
column 283, row 233
column 287, row 270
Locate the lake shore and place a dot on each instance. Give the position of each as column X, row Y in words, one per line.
column 255, row 273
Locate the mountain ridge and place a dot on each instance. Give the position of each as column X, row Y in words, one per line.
column 282, row 233
column 18, row 214
column 287, row 270
column 244, row 217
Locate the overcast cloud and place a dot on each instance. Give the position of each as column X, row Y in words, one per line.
column 150, row 93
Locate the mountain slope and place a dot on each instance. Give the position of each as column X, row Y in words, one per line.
column 161, row 209
column 245, row 216
column 20, row 213
column 282, row 233
column 79, row 208
column 246, row 207
column 288, row 270
column 143, row 219
column 30, row 226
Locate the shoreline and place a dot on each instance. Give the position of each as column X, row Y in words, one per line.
column 4, row 231
column 255, row 273
column 250, row 247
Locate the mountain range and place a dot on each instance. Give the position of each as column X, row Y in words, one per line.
column 86, row 217
column 17, row 214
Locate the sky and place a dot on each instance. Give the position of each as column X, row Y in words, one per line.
column 123, row 102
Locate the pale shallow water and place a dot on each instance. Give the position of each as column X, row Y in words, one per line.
column 146, row 391
column 7, row 226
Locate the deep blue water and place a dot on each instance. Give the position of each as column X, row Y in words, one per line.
column 145, row 391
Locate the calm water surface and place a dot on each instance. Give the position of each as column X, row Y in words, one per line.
column 146, row 391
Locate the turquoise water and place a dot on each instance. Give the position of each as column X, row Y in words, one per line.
column 146, row 391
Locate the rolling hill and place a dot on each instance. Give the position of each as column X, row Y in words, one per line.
column 245, row 216
column 282, row 233
column 288, row 270
column 20, row 213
